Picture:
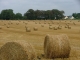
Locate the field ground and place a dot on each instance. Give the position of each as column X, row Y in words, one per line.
column 36, row 38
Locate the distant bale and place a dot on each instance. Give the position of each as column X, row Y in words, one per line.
column 39, row 22
column 74, row 23
column 26, row 23
column 57, row 46
column 17, row 51
column 28, row 29
column 17, row 23
column 4, row 24
column 50, row 27
column 55, row 28
column 59, row 27
column 69, row 27
column 78, row 21
column 42, row 25
column 44, row 22
column 66, row 26
column 48, row 22
column 35, row 28
column 35, row 22
column 8, row 27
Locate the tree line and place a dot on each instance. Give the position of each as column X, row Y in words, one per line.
column 31, row 14
column 76, row 15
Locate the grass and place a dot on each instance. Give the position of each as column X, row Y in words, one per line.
column 36, row 38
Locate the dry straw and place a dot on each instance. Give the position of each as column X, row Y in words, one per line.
column 17, row 51
column 56, row 46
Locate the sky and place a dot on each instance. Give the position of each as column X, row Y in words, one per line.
column 22, row 6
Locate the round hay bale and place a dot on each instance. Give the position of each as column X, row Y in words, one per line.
column 66, row 26
column 4, row 24
column 28, row 29
column 26, row 23
column 39, row 22
column 42, row 25
column 50, row 27
column 59, row 27
column 56, row 46
column 17, row 51
column 69, row 27
column 55, row 28
column 35, row 22
column 35, row 28
column 8, row 27
column 44, row 22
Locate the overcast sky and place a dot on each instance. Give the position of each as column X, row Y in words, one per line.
column 69, row 6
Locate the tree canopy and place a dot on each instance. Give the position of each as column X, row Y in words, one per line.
column 41, row 14
column 54, row 14
column 7, row 14
column 76, row 15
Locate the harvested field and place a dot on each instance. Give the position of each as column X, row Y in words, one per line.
column 17, row 31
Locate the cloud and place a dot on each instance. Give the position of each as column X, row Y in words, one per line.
column 69, row 6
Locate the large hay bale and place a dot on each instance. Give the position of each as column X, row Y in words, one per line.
column 17, row 51
column 56, row 46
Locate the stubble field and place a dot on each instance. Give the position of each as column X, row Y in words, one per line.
column 13, row 30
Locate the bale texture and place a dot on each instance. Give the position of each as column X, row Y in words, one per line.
column 17, row 51
column 56, row 46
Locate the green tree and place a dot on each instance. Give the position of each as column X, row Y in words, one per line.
column 42, row 14
column 7, row 14
column 18, row 16
column 56, row 14
column 76, row 15
column 0, row 16
column 30, row 14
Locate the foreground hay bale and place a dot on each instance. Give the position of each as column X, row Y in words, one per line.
column 56, row 46
column 17, row 51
